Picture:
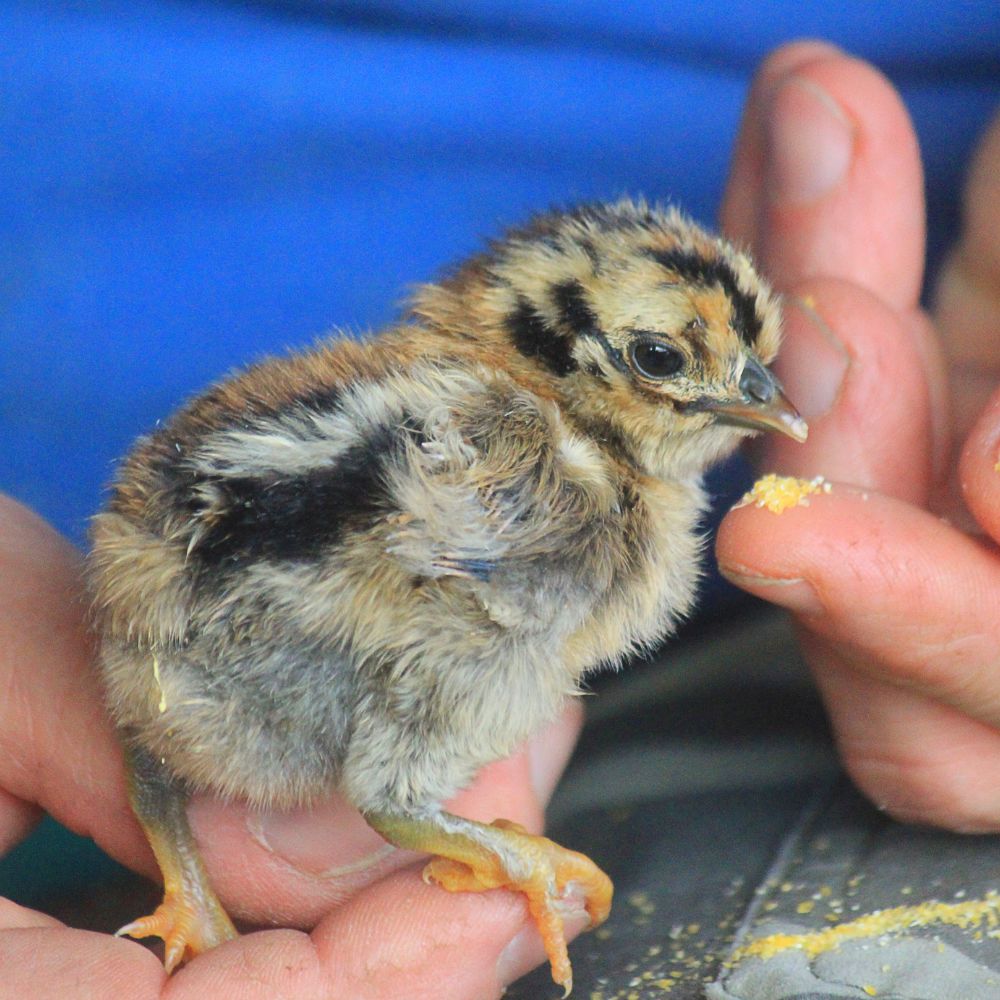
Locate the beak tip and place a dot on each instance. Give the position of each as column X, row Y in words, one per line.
column 797, row 428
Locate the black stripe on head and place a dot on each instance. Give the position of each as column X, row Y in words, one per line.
column 614, row 355
column 534, row 338
column 693, row 267
column 574, row 311
column 292, row 518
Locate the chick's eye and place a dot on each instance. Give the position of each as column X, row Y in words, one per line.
column 654, row 359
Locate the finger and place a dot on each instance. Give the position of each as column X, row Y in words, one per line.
column 967, row 303
column 17, row 818
column 913, row 599
column 431, row 944
column 293, row 867
column 920, row 760
column 838, row 188
column 967, row 298
column 43, row 962
column 15, row 917
column 979, row 469
column 739, row 213
column 852, row 367
column 56, row 746
column 400, row 938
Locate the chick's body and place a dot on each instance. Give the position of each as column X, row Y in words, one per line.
column 388, row 594
column 380, row 565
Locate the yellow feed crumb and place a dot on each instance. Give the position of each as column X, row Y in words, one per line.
column 870, row 990
column 778, row 493
column 892, row 921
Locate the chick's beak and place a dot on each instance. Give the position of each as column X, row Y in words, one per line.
column 761, row 406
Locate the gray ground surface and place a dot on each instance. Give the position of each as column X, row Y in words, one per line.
column 707, row 787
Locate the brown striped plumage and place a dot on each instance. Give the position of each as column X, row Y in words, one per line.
column 379, row 565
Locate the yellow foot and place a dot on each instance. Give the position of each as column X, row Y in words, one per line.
column 545, row 873
column 187, row 928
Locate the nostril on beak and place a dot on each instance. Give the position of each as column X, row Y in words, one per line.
column 757, row 383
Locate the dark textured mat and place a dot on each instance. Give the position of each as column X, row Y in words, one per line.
column 860, row 906
column 731, row 825
column 685, row 871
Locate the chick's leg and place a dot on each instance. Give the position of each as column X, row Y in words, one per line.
column 190, row 919
column 473, row 857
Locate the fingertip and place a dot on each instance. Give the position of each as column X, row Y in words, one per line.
column 789, row 56
column 17, row 818
column 14, row 916
column 740, row 204
column 258, row 966
column 850, row 363
column 526, row 952
column 810, row 142
column 46, row 961
column 762, row 552
column 843, row 170
column 901, row 590
column 979, row 470
column 407, row 938
column 58, row 749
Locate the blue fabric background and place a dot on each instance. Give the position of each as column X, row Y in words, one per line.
column 185, row 186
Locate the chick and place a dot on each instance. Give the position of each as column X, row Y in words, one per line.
column 378, row 566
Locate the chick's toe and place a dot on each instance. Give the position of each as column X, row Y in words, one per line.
column 475, row 857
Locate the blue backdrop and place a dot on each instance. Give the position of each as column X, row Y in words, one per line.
column 185, row 186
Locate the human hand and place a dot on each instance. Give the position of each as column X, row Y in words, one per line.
column 897, row 608
column 379, row 930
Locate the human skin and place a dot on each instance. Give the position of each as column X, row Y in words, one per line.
column 915, row 716
column 893, row 576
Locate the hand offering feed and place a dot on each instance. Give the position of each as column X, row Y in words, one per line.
column 376, row 566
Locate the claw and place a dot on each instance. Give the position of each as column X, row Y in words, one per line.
column 475, row 857
column 545, row 873
column 187, row 930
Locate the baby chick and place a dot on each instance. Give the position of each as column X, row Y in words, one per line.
column 377, row 566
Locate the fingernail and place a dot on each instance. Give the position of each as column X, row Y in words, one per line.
column 793, row 593
column 813, row 361
column 810, row 142
column 327, row 840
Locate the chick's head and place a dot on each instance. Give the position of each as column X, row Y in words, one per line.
column 650, row 329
